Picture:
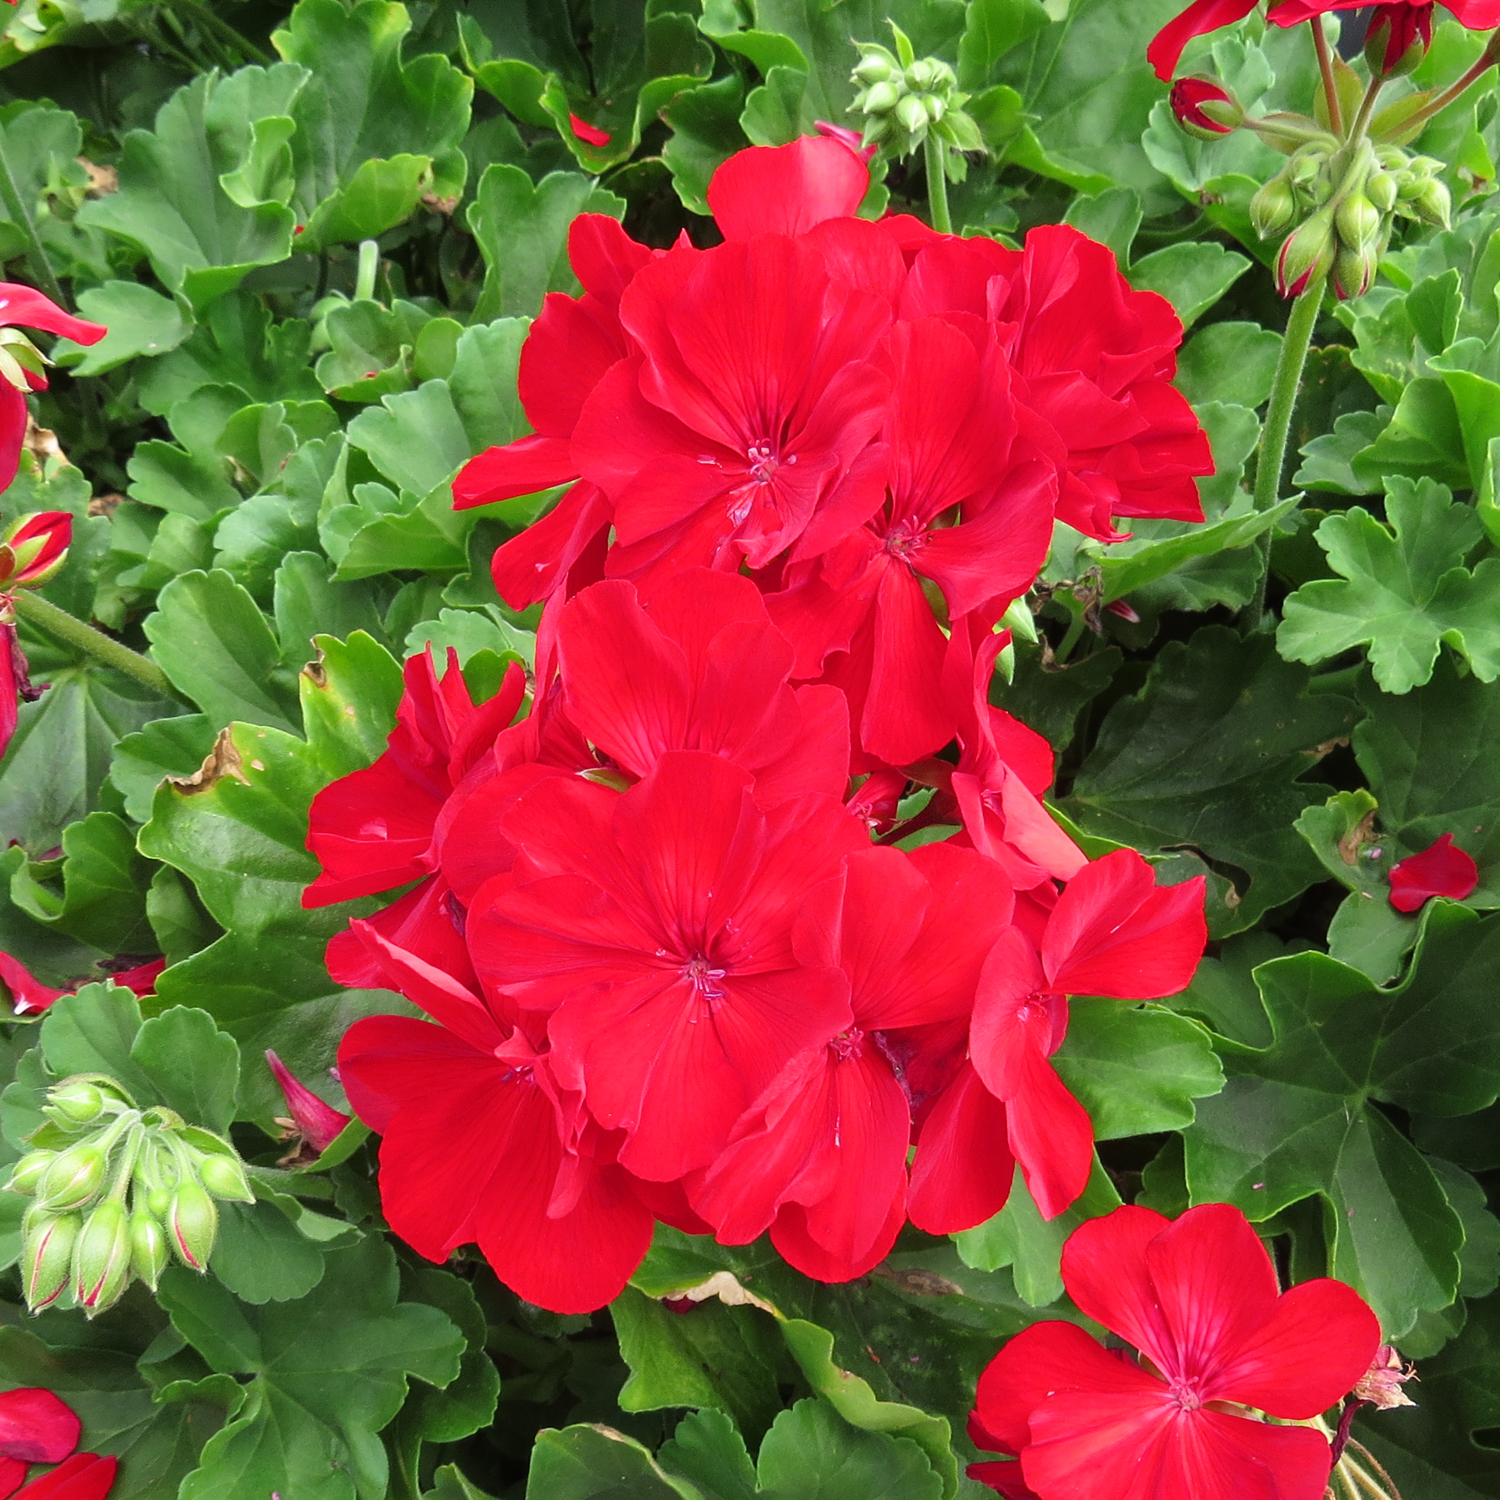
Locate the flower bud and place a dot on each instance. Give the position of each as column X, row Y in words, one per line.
column 1205, row 109
column 101, row 1257
column 75, row 1103
column 912, row 115
column 158, row 1201
column 926, row 73
column 1397, row 38
column 35, row 548
column 1354, row 270
column 225, row 1178
column 1273, row 210
column 1358, row 221
column 48, row 1257
column 1380, row 189
column 1434, row 204
column 1307, row 255
column 148, row 1247
column 874, row 67
column 880, row 99
column 1306, row 164
column 192, row 1224
column 75, row 1177
column 27, row 1173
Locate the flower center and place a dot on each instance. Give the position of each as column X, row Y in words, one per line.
column 704, row 978
column 1185, row 1393
column 848, row 1044
column 764, row 460
column 905, row 537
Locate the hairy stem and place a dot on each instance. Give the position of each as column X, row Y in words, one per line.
column 1273, row 437
column 1366, row 108
column 937, row 185
column 1325, row 66
column 1449, row 94
column 103, row 648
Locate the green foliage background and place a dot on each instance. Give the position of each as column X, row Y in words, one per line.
column 258, row 459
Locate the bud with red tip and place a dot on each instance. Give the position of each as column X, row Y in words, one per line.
column 1307, row 255
column 1397, row 38
column 1205, row 109
column 34, row 549
column 316, row 1122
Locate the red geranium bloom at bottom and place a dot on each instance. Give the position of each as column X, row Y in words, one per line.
column 1198, row 1298
column 1440, row 870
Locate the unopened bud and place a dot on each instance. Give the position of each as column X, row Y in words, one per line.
column 1358, row 221
column 1204, row 108
column 225, row 1178
column 880, row 99
column 1305, row 166
column 1380, row 189
column 75, row 1176
column 148, row 1247
column 874, row 67
column 1273, row 209
column 35, row 548
column 192, row 1224
column 1434, row 204
column 910, row 112
column 47, row 1256
column 29, row 1171
column 76, row 1103
column 1354, row 270
column 926, row 73
column 1307, row 255
column 101, row 1257
column 158, row 1201
column 1397, row 38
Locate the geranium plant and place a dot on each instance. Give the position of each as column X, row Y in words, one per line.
column 749, row 749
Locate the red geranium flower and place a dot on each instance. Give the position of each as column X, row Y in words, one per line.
column 820, row 1158
column 654, row 927
column 479, row 1144
column 1199, row 1300
column 1209, row 15
column 1113, row 932
column 318, row 1123
column 1442, row 869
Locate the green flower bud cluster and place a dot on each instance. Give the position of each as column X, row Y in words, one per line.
column 117, row 1191
column 904, row 99
column 1340, row 204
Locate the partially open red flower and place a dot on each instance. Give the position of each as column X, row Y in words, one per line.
column 318, row 1122
column 1113, row 932
column 1442, row 869
column 1199, row 1299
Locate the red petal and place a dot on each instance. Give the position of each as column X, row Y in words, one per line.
column 1051, row 1135
column 12, row 1476
column 1043, row 1359
column 536, row 562
column 524, row 467
column 963, row 1169
column 85, row 1476
column 13, row 415
column 1115, row 932
column 789, row 1234
column 1317, row 1342
column 786, row 189
column 27, row 307
column 1439, row 870
column 1004, row 1478
column 590, row 135
column 28, row 995
column 56, row 526
column 1201, row 16
column 1105, row 1270
column 37, row 1426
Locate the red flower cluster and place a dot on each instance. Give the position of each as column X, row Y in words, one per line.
column 675, row 977
column 1199, row 1300
column 37, row 1427
column 869, row 419
column 1400, row 21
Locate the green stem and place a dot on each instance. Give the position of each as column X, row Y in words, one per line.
column 103, row 648
column 1366, row 109
column 1072, row 637
column 1273, row 437
column 16, row 207
column 1325, row 66
column 369, row 264
column 1449, row 94
column 937, row 184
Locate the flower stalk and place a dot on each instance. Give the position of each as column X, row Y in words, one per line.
column 104, row 649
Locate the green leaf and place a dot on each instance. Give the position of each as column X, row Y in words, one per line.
column 1136, row 1071
column 1402, row 591
column 598, row 1463
column 1192, row 276
column 193, row 1066
column 1229, row 362
column 104, row 880
column 809, row 1454
column 140, row 322
column 349, row 700
column 706, row 1449
column 467, row 1403
column 212, row 641
column 239, row 833
column 992, row 29
column 1295, row 1119
column 261, row 1256
column 326, row 1373
column 705, row 134
column 715, row 1356
column 1112, row 217
column 164, row 747
column 1019, row 1237
column 175, row 202
column 522, row 232
column 1207, row 758
column 1430, row 761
